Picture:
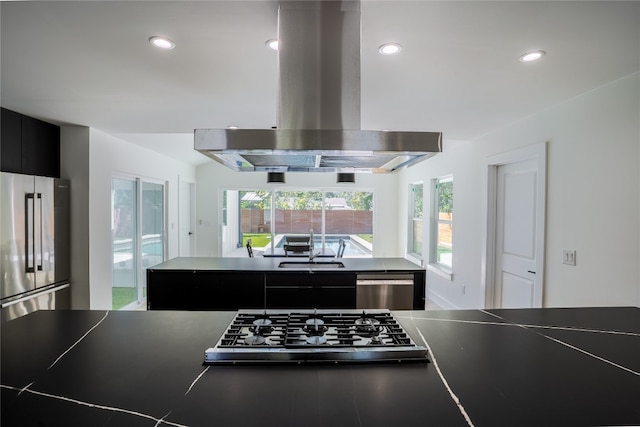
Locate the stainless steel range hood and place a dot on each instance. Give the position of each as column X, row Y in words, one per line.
column 318, row 123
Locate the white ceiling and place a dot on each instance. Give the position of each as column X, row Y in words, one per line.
column 90, row 63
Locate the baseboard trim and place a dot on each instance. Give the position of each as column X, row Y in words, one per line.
column 441, row 301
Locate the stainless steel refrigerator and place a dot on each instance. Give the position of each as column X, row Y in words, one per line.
column 34, row 244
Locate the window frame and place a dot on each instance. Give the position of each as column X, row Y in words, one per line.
column 442, row 269
column 411, row 218
column 138, row 267
column 321, row 227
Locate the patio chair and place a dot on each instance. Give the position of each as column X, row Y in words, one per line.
column 250, row 249
column 296, row 244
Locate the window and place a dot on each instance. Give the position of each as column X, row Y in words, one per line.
column 267, row 217
column 298, row 212
column 348, row 215
column 255, row 218
column 224, row 207
column 416, row 202
column 442, row 224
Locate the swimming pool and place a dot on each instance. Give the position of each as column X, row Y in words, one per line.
column 353, row 247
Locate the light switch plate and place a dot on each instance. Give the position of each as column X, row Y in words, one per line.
column 569, row 256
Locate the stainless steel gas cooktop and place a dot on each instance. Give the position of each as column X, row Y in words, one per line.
column 258, row 336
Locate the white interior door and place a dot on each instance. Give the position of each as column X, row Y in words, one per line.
column 517, row 284
column 185, row 219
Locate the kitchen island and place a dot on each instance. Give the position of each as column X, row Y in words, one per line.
column 192, row 283
column 530, row 367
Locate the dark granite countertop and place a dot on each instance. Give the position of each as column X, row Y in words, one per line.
column 271, row 264
column 534, row 367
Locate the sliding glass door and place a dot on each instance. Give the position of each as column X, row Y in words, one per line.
column 268, row 217
column 152, row 229
column 124, row 224
column 138, row 237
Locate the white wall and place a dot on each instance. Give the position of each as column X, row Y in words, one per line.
column 212, row 178
column 101, row 155
column 593, row 199
column 74, row 166
column 228, row 237
column 456, row 159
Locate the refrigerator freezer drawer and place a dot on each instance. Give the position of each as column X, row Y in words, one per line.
column 54, row 297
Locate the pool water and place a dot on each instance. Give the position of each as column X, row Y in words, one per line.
column 351, row 249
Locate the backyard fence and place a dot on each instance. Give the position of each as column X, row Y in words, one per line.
column 300, row 221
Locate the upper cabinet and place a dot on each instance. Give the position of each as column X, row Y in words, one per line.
column 11, row 142
column 29, row 146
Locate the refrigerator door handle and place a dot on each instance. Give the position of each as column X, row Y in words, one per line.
column 29, row 208
column 38, row 237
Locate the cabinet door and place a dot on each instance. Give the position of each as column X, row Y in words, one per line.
column 290, row 297
column 419, row 290
column 306, row 297
column 334, row 297
column 231, row 290
column 40, row 148
column 11, row 142
column 317, row 290
column 204, row 290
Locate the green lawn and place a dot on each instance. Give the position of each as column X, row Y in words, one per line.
column 122, row 297
column 367, row 237
column 258, row 240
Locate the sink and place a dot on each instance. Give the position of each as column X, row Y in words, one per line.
column 312, row 264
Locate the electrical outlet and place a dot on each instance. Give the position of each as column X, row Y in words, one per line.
column 569, row 256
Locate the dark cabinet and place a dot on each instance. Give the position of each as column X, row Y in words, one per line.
column 315, row 290
column 11, row 143
column 171, row 289
column 235, row 290
column 419, row 290
column 40, row 148
column 204, row 290
column 29, row 146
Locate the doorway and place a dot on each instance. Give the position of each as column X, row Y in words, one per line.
column 186, row 218
column 138, row 237
column 514, row 237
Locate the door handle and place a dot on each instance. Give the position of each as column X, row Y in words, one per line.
column 190, row 234
column 532, row 272
column 40, row 232
column 29, row 226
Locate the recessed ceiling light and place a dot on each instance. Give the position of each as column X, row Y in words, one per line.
column 272, row 44
column 232, row 127
column 389, row 48
column 532, row 56
column 162, row 42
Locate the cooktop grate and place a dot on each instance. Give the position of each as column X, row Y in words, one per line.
column 315, row 336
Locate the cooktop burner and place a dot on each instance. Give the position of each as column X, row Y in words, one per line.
column 315, row 336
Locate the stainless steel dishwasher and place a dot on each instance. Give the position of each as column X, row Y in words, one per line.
column 383, row 290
